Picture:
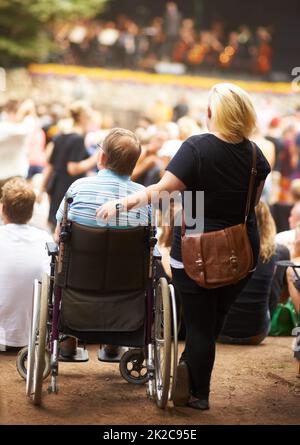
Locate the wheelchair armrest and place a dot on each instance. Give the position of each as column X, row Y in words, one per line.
column 52, row 249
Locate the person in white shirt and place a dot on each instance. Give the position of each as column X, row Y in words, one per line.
column 13, row 135
column 23, row 258
column 288, row 237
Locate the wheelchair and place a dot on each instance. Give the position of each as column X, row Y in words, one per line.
column 102, row 289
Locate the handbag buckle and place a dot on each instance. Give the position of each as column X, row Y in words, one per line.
column 234, row 261
column 200, row 263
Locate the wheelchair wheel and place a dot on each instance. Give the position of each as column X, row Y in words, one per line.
column 22, row 360
column 174, row 359
column 40, row 349
column 33, row 336
column 133, row 368
column 162, row 343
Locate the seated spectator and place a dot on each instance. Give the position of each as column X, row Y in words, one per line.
column 295, row 190
column 248, row 320
column 292, row 279
column 268, row 149
column 187, row 127
column 23, row 258
column 149, row 166
column 279, row 289
column 116, row 161
column 287, row 238
column 281, row 212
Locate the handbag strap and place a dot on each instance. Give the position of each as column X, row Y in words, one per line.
column 249, row 194
column 251, row 182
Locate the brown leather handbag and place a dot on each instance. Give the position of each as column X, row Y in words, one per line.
column 223, row 257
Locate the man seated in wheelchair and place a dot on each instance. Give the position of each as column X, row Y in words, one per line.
column 118, row 155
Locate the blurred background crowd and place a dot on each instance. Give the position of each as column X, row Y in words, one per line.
column 29, row 130
column 124, row 42
column 168, row 36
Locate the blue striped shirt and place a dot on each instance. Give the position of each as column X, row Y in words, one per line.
column 90, row 193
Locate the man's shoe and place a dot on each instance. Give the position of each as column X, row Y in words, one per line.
column 182, row 387
column 112, row 350
column 201, row 404
column 68, row 347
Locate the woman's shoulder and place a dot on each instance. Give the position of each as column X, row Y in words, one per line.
column 198, row 140
column 200, row 144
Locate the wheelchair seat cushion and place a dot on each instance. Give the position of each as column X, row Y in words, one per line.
column 92, row 312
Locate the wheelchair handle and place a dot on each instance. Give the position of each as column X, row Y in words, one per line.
column 64, row 234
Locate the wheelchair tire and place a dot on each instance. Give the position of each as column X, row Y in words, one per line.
column 22, row 367
column 133, row 374
column 33, row 336
column 174, row 354
column 162, row 343
column 39, row 365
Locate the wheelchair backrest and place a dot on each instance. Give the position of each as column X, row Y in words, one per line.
column 106, row 259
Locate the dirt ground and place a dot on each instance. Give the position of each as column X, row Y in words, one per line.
column 251, row 385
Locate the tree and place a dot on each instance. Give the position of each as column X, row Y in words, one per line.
column 24, row 25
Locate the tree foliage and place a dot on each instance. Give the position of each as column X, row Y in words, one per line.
column 24, row 25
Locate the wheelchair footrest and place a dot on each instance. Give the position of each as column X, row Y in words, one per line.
column 105, row 357
column 82, row 355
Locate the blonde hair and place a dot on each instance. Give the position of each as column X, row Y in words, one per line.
column 267, row 231
column 233, row 113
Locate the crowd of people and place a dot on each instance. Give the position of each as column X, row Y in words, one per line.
column 46, row 148
column 169, row 38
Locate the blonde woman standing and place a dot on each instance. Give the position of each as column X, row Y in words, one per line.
column 219, row 163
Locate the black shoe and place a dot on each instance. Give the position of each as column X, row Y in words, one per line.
column 199, row 404
column 182, row 387
column 68, row 347
column 112, row 350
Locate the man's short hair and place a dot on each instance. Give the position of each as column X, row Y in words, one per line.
column 122, row 148
column 18, row 199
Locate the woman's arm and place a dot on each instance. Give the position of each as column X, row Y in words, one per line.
column 259, row 192
column 168, row 183
column 46, row 176
column 78, row 168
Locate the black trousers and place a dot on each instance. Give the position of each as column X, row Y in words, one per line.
column 204, row 312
